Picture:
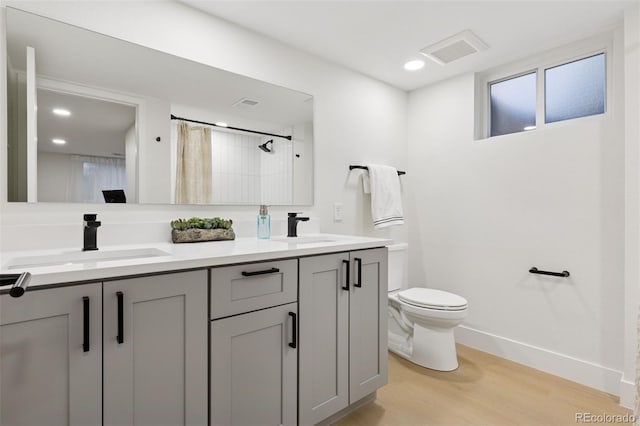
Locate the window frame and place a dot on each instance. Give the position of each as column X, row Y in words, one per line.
column 586, row 48
column 534, row 71
column 606, row 86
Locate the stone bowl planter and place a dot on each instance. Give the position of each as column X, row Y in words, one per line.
column 198, row 235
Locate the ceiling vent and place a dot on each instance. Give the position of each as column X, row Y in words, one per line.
column 246, row 103
column 454, row 47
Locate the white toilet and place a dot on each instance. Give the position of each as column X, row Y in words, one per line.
column 421, row 320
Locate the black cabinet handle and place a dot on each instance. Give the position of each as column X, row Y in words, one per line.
column 535, row 270
column 348, row 264
column 120, row 317
column 18, row 283
column 359, row 262
column 294, row 332
column 86, row 324
column 266, row 271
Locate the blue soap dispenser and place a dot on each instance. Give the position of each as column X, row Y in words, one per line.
column 264, row 223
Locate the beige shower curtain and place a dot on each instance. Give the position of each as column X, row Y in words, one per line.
column 193, row 175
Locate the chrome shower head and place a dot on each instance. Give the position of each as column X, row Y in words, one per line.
column 264, row 146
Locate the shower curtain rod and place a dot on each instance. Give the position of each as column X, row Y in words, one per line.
column 173, row 117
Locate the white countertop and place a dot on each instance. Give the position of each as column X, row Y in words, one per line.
column 177, row 256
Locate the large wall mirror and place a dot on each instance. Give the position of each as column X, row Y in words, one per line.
column 95, row 119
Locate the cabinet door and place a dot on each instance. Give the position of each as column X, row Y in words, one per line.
column 51, row 357
column 254, row 368
column 324, row 340
column 155, row 350
column 367, row 322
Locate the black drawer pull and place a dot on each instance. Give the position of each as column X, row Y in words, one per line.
column 120, row 337
column 359, row 262
column 294, row 332
column 266, row 271
column 86, row 324
column 535, row 270
column 348, row 264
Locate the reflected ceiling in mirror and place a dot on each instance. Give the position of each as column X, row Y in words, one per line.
column 113, row 102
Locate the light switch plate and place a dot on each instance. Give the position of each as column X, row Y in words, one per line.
column 337, row 212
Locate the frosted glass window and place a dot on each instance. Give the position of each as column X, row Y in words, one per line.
column 575, row 89
column 513, row 104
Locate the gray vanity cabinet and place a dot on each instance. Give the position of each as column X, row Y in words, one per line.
column 343, row 331
column 51, row 357
column 254, row 347
column 155, row 350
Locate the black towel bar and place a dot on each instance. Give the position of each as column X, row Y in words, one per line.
column 535, row 270
column 18, row 283
column 400, row 172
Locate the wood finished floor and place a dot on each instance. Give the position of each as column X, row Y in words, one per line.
column 484, row 390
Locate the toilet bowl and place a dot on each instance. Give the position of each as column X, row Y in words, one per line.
column 422, row 320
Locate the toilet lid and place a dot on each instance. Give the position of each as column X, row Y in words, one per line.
column 433, row 299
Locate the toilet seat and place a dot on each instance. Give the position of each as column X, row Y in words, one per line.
column 433, row 299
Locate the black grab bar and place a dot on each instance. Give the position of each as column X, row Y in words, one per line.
column 535, row 270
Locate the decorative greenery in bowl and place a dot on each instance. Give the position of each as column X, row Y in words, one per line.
column 201, row 229
column 198, row 223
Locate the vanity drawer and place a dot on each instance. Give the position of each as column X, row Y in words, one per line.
column 244, row 288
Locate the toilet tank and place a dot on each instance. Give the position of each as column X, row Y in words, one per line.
column 398, row 266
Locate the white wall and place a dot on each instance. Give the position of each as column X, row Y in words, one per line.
column 632, row 210
column 485, row 211
column 356, row 119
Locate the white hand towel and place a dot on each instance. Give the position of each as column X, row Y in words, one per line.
column 386, row 200
column 366, row 183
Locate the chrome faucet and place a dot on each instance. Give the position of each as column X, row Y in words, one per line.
column 90, row 232
column 292, row 224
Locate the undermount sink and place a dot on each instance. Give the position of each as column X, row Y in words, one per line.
column 79, row 257
column 312, row 239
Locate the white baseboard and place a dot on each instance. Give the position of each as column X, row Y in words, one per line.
column 627, row 394
column 570, row 368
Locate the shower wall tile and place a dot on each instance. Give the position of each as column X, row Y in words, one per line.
column 235, row 167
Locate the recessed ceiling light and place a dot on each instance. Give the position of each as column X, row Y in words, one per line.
column 62, row 112
column 222, row 124
column 58, row 141
column 414, row 65
column 529, row 128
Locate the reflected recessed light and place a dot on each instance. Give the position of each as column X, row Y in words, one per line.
column 414, row 65
column 529, row 128
column 58, row 141
column 222, row 124
column 61, row 112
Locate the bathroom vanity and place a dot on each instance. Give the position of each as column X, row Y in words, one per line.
column 232, row 332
